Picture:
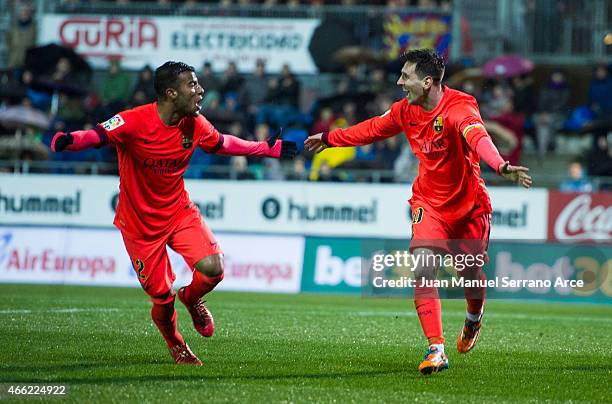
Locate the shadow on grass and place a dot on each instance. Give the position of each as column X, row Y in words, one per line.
column 168, row 372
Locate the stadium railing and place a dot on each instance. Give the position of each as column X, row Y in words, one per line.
column 196, row 171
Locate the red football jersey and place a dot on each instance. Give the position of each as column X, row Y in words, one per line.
column 444, row 141
column 152, row 159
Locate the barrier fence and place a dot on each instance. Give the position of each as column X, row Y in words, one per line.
column 323, row 235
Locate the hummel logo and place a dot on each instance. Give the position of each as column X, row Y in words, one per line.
column 413, row 124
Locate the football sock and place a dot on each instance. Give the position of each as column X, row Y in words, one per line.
column 200, row 285
column 429, row 310
column 439, row 347
column 473, row 317
column 475, row 299
column 164, row 317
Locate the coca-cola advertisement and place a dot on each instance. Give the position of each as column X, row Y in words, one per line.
column 580, row 217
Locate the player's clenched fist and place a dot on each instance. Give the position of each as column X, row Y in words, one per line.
column 288, row 149
column 61, row 141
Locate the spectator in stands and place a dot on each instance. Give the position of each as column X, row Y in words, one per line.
column 115, row 88
column 240, row 169
column 231, row 81
column 387, row 152
column 378, row 83
column 299, row 172
column 324, row 162
column 525, row 103
column 348, row 114
column 507, row 130
column 600, row 92
column 63, row 73
column 599, row 158
column 281, row 107
column 270, row 170
column 255, row 89
column 470, row 87
column 289, row 88
column 553, row 108
column 20, row 36
column 577, row 181
column 70, row 115
column 323, row 124
column 495, row 100
column 144, row 91
column 353, row 82
column 208, row 79
column 39, row 99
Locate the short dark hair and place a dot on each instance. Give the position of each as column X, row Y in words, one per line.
column 428, row 62
column 167, row 76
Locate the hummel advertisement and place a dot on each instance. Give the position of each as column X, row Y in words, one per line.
column 97, row 257
column 316, row 209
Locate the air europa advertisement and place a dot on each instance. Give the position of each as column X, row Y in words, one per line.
column 66, row 256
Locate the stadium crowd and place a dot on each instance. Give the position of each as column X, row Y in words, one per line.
column 522, row 115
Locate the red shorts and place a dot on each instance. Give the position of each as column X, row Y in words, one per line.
column 467, row 236
column 190, row 237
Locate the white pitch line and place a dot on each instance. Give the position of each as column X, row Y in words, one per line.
column 71, row 310
column 488, row 315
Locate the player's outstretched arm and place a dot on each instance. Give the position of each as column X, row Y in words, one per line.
column 489, row 153
column 366, row 132
column 77, row 140
column 273, row 147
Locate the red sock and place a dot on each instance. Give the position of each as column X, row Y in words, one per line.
column 475, row 296
column 200, row 285
column 429, row 310
column 164, row 317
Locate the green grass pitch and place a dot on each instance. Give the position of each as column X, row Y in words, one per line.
column 101, row 343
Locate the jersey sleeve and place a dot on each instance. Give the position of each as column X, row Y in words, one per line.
column 468, row 122
column 116, row 129
column 210, row 140
column 368, row 131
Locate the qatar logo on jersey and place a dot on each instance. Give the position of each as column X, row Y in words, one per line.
column 438, row 124
column 113, row 123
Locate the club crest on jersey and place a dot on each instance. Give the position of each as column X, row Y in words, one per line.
column 113, row 123
column 187, row 141
column 417, row 215
column 438, row 124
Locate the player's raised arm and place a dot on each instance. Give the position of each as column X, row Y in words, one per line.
column 366, row 132
column 78, row 140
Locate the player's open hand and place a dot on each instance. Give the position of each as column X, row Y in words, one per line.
column 315, row 143
column 61, row 141
column 516, row 174
column 288, row 149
